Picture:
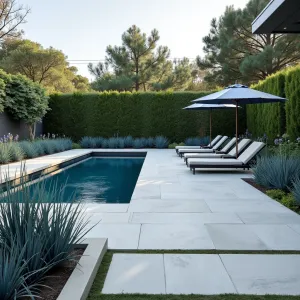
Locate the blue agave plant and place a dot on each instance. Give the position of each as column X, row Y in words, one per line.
column 296, row 190
column 161, row 142
column 138, row 143
column 276, row 171
column 128, row 141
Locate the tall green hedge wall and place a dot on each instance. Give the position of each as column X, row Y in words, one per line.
column 268, row 118
column 276, row 119
column 137, row 114
column 292, row 91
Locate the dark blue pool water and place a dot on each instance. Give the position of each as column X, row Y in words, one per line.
column 99, row 180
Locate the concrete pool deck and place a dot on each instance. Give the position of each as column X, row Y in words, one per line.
column 172, row 209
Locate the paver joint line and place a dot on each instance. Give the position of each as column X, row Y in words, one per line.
column 228, row 274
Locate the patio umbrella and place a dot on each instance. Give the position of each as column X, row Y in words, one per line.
column 209, row 107
column 238, row 94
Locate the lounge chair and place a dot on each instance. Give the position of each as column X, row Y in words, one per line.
column 224, row 153
column 213, row 142
column 241, row 162
column 207, row 150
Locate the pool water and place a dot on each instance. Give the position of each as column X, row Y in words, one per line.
column 98, row 180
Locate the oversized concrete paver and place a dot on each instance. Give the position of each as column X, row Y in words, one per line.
column 168, row 206
column 269, row 217
column 106, row 208
column 251, row 205
column 198, row 218
column 196, row 274
column 204, row 274
column 295, row 227
column 120, row 236
column 135, row 273
column 234, row 237
column 264, row 274
column 277, row 237
column 118, row 217
column 174, row 236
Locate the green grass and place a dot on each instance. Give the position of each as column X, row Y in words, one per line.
column 95, row 292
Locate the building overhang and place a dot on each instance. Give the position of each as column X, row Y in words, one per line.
column 279, row 16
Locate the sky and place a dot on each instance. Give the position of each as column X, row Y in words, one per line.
column 83, row 29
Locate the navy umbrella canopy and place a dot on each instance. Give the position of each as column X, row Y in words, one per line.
column 209, row 107
column 238, row 94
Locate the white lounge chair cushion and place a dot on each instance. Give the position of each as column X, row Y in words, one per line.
column 188, row 147
column 195, row 150
column 229, row 145
column 251, row 151
column 202, row 155
column 220, row 142
column 241, row 146
column 217, row 162
column 214, row 141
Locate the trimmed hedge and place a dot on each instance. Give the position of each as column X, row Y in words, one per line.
column 268, row 118
column 292, row 90
column 110, row 114
column 276, row 119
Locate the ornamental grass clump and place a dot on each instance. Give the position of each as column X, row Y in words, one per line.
column 276, row 171
column 30, row 150
column 161, row 142
column 128, row 141
column 296, row 191
column 16, row 152
column 138, row 143
column 14, row 275
column 44, row 228
column 197, row 141
column 5, row 154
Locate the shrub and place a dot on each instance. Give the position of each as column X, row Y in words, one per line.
column 276, row 194
column 16, row 152
column 149, row 142
column 38, row 144
column 296, row 191
column 63, row 144
column 112, row 143
column 29, row 148
column 76, row 146
column 173, row 145
column 138, row 143
column 276, row 172
column 5, row 154
column 197, row 141
column 161, row 142
column 98, row 142
column 128, row 141
column 121, row 142
column 289, row 201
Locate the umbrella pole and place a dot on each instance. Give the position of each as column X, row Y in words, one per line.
column 210, row 122
column 236, row 127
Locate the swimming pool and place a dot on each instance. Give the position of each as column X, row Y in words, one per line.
column 98, row 180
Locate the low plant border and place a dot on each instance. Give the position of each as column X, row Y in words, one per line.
column 80, row 282
column 97, row 286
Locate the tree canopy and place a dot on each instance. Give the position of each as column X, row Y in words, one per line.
column 140, row 64
column 11, row 16
column 24, row 99
column 233, row 53
column 48, row 67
